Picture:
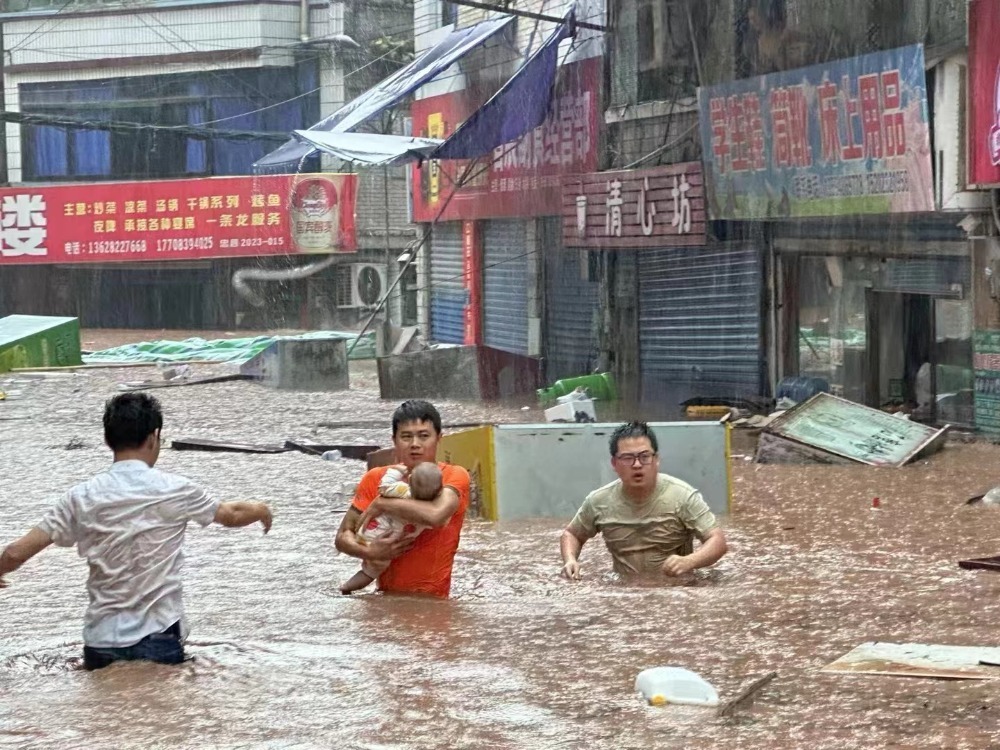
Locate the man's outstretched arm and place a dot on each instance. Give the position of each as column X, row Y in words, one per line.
column 237, row 514
column 18, row 553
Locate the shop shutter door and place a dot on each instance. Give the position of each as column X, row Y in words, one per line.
column 448, row 294
column 505, row 286
column 571, row 309
column 700, row 327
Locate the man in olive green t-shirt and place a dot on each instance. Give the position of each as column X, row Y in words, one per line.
column 649, row 520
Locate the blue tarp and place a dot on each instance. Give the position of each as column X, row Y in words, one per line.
column 393, row 89
column 517, row 108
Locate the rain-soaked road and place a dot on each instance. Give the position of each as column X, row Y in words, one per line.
column 517, row 658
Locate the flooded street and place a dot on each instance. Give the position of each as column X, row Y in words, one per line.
column 517, row 658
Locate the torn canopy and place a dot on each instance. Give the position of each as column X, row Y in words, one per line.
column 519, row 107
column 393, row 89
column 369, row 149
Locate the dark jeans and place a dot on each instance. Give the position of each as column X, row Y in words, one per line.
column 165, row 648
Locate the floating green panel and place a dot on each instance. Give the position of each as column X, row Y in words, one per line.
column 39, row 341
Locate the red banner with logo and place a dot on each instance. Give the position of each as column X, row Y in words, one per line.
column 217, row 217
column 522, row 178
column 984, row 93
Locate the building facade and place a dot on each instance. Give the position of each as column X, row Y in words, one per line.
column 180, row 69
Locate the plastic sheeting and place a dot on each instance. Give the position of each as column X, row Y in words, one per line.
column 368, row 149
column 393, row 89
column 217, row 350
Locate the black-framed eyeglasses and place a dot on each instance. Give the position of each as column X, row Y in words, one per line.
column 628, row 459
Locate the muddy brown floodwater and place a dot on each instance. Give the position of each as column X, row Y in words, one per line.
column 517, row 658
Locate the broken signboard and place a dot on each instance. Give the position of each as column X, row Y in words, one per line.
column 829, row 429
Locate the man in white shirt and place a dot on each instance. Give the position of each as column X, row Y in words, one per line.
column 128, row 523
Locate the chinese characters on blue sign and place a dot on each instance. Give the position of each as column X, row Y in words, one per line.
column 846, row 137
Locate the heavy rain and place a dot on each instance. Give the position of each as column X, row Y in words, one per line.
column 703, row 293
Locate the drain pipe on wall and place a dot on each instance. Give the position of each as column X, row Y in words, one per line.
column 241, row 277
column 304, row 21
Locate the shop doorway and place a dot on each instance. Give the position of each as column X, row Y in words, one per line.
column 919, row 355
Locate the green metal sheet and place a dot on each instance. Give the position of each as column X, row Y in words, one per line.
column 39, row 341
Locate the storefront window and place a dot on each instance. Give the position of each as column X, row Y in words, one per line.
column 833, row 323
column 954, row 377
column 892, row 333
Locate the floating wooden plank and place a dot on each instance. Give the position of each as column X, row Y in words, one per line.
column 108, row 366
column 199, row 444
column 353, row 452
column 149, row 384
column 981, row 563
column 918, row 660
column 744, row 696
column 843, row 428
column 381, row 424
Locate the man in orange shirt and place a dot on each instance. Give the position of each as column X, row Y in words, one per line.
column 423, row 565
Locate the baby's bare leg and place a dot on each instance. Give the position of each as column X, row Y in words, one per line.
column 356, row 582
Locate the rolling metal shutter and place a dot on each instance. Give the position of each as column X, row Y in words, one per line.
column 571, row 315
column 505, row 286
column 448, row 293
column 700, row 323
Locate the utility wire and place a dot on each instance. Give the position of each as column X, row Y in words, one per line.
column 118, row 126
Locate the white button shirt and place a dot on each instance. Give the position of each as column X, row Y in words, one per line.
column 128, row 523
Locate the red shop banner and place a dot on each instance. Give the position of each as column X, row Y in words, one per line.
column 984, row 93
column 522, row 178
column 217, row 217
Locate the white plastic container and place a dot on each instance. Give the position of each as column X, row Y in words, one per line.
column 662, row 685
column 566, row 412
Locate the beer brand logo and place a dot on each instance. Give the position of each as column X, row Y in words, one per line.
column 314, row 197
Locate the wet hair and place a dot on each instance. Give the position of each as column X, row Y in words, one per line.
column 129, row 419
column 632, row 430
column 416, row 410
column 425, row 481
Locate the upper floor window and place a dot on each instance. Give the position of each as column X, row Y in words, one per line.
column 230, row 100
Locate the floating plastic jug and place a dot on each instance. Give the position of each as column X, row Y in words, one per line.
column 662, row 685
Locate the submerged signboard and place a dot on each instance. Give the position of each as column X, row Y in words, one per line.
column 844, row 137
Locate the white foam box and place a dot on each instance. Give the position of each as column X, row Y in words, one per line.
column 567, row 412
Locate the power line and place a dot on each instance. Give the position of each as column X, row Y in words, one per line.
column 40, row 26
column 118, row 126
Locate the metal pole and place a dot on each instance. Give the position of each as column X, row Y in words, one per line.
column 525, row 14
column 4, row 175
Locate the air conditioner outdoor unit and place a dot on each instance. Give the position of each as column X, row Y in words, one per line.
column 368, row 284
column 950, row 173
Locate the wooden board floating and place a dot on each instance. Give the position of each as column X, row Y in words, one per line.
column 150, row 384
column 919, row 660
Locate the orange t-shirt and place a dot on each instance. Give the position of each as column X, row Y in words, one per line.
column 426, row 567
